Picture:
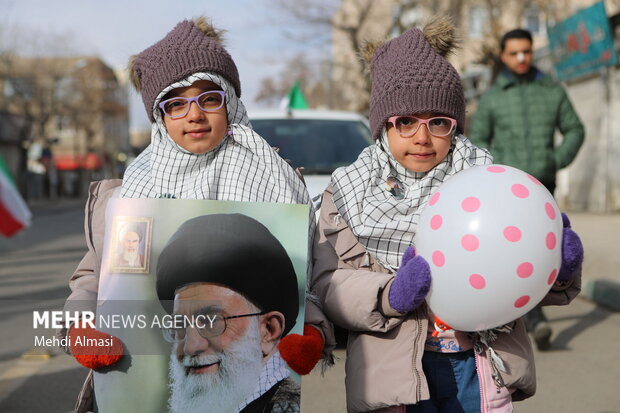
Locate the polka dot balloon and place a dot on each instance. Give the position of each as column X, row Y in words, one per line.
column 492, row 237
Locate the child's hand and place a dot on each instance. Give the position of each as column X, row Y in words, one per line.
column 94, row 356
column 411, row 284
column 572, row 252
column 301, row 353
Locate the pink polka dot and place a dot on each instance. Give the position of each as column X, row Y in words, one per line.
column 536, row 181
column 550, row 210
column 496, row 169
column 512, row 234
column 471, row 204
column 552, row 276
column 525, row 269
column 436, row 221
column 438, row 258
column 477, row 281
column 520, row 191
column 550, row 240
column 434, row 199
column 470, row 242
column 521, row 301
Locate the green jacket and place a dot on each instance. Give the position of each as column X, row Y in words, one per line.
column 516, row 121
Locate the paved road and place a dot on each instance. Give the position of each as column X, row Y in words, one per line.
column 580, row 374
column 34, row 270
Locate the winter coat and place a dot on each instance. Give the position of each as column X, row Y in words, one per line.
column 384, row 350
column 516, row 120
column 84, row 282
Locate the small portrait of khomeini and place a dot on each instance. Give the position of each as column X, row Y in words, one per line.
column 130, row 246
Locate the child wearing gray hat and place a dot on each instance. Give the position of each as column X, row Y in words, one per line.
column 366, row 272
column 202, row 147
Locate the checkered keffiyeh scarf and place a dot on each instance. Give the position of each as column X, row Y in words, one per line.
column 243, row 167
column 384, row 223
column 274, row 371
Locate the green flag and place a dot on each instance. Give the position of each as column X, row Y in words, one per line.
column 296, row 99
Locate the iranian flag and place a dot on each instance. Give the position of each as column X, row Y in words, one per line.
column 14, row 213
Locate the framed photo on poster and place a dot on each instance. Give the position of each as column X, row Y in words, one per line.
column 131, row 244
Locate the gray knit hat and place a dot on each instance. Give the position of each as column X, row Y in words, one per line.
column 192, row 46
column 411, row 75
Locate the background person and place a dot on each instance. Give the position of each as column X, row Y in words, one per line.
column 233, row 364
column 516, row 120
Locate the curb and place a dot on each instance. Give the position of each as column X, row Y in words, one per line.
column 603, row 292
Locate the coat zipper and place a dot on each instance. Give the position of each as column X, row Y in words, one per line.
column 415, row 357
column 481, row 383
column 526, row 123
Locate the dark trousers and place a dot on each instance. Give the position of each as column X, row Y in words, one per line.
column 453, row 383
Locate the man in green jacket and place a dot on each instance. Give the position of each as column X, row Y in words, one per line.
column 516, row 120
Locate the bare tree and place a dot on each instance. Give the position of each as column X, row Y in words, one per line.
column 311, row 75
column 351, row 23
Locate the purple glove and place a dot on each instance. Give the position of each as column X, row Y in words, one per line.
column 572, row 252
column 411, row 284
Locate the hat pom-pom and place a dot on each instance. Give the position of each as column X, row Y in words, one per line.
column 367, row 51
column 440, row 34
column 134, row 77
column 209, row 30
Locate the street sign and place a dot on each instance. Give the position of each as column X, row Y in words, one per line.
column 582, row 43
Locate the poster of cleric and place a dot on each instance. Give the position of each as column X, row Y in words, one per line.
column 199, row 294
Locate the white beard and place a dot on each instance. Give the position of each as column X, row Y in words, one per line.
column 223, row 391
column 131, row 258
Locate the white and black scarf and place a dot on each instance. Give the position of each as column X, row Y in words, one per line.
column 274, row 371
column 384, row 219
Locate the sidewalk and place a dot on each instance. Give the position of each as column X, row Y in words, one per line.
column 600, row 234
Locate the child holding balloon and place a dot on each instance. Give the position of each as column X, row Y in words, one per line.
column 366, row 272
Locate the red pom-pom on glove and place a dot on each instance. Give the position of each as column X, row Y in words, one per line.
column 301, row 353
column 91, row 355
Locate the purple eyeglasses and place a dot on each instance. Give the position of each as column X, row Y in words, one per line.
column 208, row 101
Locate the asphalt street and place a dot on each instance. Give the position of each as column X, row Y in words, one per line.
column 579, row 374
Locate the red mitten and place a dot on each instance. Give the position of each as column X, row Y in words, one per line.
column 440, row 327
column 94, row 349
column 301, row 353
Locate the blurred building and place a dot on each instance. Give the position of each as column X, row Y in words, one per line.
column 480, row 24
column 74, row 107
column 139, row 139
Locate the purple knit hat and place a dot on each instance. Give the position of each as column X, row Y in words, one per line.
column 192, row 46
column 411, row 75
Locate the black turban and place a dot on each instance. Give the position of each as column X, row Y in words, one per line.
column 235, row 251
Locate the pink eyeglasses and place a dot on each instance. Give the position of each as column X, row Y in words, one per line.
column 407, row 126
